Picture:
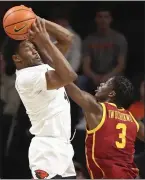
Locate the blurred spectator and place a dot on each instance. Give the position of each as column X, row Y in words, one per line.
column 138, row 108
column 10, row 99
column 2, row 66
column 16, row 164
column 61, row 17
column 8, row 92
column 140, row 162
column 104, row 53
column 140, row 156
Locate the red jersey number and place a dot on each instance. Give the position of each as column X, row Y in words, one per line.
column 122, row 136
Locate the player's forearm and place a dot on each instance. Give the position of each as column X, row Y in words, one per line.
column 82, row 98
column 74, row 93
column 60, row 33
column 62, row 67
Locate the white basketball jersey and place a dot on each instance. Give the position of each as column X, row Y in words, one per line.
column 48, row 110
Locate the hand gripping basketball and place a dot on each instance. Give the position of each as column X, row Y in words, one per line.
column 38, row 33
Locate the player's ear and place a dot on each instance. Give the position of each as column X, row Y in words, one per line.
column 16, row 58
column 112, row 94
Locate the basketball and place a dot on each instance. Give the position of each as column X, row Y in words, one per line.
column 17, row 21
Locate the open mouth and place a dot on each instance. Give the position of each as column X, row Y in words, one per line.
column 37, row 57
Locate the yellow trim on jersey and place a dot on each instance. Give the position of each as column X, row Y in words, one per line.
column 112, row 104
column 101, row 122
column 121, row 109
column 93, row 156
column 135, row 121
column 87, row 162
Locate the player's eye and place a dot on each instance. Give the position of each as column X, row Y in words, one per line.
column 27, row 49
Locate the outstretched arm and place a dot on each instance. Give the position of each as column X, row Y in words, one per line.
column 141, row 133
column 85, row 100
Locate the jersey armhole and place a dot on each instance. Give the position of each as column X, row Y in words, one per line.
column 101, row 122
column 135, row 121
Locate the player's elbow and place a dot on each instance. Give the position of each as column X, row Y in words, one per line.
column 69, row 39
column 72, row 76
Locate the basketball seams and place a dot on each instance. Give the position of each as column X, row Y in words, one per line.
column 16, row 11
column 20, row 22
column 16, row 34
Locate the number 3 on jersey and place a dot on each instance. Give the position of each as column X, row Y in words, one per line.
column 122, row 135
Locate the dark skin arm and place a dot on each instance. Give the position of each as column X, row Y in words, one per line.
column 64, row 39
column 63, row 73
column 93, row 110
column 85, row 100
column 141, row 132
column 63, row 36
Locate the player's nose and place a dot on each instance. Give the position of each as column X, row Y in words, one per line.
column 34, row 51
column 101, row 84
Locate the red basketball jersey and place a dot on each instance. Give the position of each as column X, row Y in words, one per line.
column 110, row 146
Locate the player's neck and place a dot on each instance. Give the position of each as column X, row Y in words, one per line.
column 19, row 67
column 104, row 32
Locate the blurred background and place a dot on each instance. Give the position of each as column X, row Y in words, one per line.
column 109, row 40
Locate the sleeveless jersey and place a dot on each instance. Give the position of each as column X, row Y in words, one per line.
column 110, row 146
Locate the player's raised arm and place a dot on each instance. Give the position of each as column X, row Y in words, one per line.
column 141, row 132
column 63, row 73
column 85, row 100
column 63, row 36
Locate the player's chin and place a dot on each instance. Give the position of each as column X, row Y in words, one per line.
column 38, row 61
column 98, row 96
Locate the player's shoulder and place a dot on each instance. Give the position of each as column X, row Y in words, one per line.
column 44, row 67
column 118, row 35
column 24, row 77
column 28, row 75
column 110, row 106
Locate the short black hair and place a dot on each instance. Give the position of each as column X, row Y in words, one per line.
column 9, row 48
column 104, row 7
column 124, row 91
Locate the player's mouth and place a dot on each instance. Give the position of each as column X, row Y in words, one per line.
column 37, row 57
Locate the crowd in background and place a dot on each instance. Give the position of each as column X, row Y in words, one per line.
column 95, row 57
